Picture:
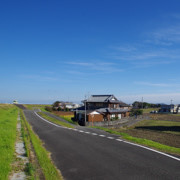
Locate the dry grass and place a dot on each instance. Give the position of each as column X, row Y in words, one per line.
column 63, row 113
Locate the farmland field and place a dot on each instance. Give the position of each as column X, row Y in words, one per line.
column 164, row 129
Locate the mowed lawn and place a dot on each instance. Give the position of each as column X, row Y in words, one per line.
column 8, row 121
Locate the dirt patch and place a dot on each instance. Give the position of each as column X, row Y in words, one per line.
column 163, row 138
column 63, row 113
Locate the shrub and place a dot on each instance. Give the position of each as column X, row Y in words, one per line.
column 48, row 108
column 136, row 112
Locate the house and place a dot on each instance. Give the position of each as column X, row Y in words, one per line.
column 65, row 105
column 98, row 108
column 170, row 108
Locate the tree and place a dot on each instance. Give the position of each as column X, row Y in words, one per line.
column 56, row 104
column 136, row 112
column 48, row 108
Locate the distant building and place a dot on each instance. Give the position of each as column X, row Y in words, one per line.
column 15, row 102
column 66, row 105
column 100, row 108
column 170, row 108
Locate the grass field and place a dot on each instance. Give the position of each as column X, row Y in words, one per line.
column 44, row 162
column 8, row 121
column 68, row 118
column 148, row 110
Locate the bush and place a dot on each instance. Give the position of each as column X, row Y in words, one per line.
column 48, row 108
column 136, row 112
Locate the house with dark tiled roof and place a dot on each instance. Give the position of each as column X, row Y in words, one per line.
column 170, row 108
column 98, row 108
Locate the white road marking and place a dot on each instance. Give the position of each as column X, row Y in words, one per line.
column 167, row 155
column 87, row 132
column 47, row 121
column 119, row 140
column 110, row 137
column 94, row 134
column 144, row 147
column 81, row 131
column 102, row 135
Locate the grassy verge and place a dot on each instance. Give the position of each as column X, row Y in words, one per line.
column 146, row 142
column 55, row 120
column 49, row 170
column 8, row 121
column 32, row 166
column 68, row 118
column 36, row 106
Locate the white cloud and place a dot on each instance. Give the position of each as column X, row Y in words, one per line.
column 175, row 15
column 153, row 98
column 126, row 48
column 155, row 84
column 39, row 77
column 81, row 63
column 96, row 67
column 166, row 36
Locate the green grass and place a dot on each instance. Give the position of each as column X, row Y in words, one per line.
column 36, row 106
column 55, row 120
column 8, row 122
column 157, row 123
column 49, row 170
column 154, row 123
column 68, row 118
column 148, row 110
column 146, row 142
column 30, row 166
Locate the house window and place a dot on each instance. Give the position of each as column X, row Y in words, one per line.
column 112, row 115
column 99, row 104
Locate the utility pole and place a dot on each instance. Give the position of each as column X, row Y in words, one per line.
column 85, row 109
column 142, row 102
column 171, row 105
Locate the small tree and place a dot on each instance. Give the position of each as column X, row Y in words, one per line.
column 48, row 108
column 56, row 104
column 59, row 109
column 136, row 112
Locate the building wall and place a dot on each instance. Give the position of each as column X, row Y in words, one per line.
column 96, row 105
column 95, row 118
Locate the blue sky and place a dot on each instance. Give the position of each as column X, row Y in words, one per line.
column 64, row 50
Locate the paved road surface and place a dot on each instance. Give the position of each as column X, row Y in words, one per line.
column 92, row 154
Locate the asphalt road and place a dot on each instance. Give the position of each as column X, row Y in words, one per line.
column 92, row 154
